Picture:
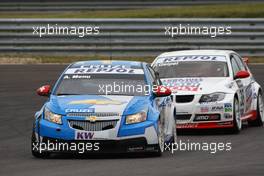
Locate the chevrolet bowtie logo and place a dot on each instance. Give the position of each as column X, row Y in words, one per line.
column 91, row 118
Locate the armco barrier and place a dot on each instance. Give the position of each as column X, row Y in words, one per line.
column 130, row 37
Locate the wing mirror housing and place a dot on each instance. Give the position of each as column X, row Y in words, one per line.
column 44, row 90
column 242, row 74
column 162, row 91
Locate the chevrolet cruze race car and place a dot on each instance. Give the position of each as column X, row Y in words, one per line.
column 211, row 89
column 104, row 106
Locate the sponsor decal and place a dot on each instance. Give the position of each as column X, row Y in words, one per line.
column 249, row 97
column 228, row 107
column 175, row 59
column 183, row 84
column 97, row 102
column 204, row 109
column 241, row 95
column 99, row 69
column 89, row 110
column 84, row 135
column 228, row 116
column 207, row 117
column 187, row 125
column 168, row 64
column 77, row 77
column 217, row 108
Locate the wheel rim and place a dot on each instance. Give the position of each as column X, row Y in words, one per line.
column 237, row 114
column 261, row 107
column 161, row 137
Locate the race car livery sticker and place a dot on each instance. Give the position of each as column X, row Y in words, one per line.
column 241, row 95
column 187, row 125
column 104, row 69
column 204, row 109
column 89, row 110
column 83, row 135
column 208, row 108
column 176, row 59
column 97, row 102
column 73, row 76
column 228, row 107
column 183, row 84
column 249, row 97
column 217, row 108
column 207, row 117
column 228, row 115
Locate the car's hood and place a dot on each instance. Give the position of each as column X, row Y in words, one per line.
column 198, row 85
column 95, row 103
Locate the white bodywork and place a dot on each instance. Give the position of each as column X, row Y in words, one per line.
column 183, row 88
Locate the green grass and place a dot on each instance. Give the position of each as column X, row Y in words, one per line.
column 32, row 59
column 252, row 10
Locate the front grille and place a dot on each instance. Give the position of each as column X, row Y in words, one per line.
column 93, row 126
column 183, row 116
column 97, row 114
column 184, row 98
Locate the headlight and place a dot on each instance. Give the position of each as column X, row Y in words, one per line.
column 136, row 118
column 55, row 118
column 218, row 96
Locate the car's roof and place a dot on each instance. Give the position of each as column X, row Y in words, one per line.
column 128, row 64
column 197, row 52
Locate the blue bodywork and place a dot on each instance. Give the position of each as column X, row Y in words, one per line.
column 60, row 104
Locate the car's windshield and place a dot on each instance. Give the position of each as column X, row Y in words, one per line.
column 101, row 84
column 192, row 69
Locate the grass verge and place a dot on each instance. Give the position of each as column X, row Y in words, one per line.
column 245, row 10
column 32, row 59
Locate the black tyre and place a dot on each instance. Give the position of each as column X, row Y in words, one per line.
column 260, row 116
column 236, row 117
column 36, row 152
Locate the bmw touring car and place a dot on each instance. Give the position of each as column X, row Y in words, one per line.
column 211, row 89
column 107, row 106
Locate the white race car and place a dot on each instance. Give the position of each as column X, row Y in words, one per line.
column 211, row 89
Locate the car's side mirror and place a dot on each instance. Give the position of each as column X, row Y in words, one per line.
column 44, row 90
column 162, row 91
column 246, row 60
column 242, row 74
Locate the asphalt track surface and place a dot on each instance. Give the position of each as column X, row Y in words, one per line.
column 18, row 102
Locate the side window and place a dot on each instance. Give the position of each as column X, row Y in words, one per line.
column 239, row 62
column 235, row 66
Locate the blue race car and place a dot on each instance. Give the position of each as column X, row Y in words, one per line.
column 104, row 107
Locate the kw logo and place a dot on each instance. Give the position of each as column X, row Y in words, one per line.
column 83, row 135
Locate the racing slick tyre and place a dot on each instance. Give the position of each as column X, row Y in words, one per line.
column 174, row 140
column 260, row 109
column 236, row 118
column 161, row 139
column 34, row 152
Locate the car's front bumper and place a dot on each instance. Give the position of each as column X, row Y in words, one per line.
column 132, row 138
column 196, row 115
column 132, row 145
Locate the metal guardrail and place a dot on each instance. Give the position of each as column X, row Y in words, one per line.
column 129, row 37
column 78, row 5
